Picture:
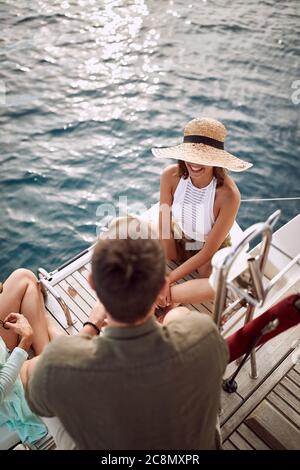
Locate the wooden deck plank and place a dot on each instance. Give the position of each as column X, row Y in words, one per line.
column 79, row 314
column 88, row 267
column 229, row 404
column 294, row 377
column 255, row 398
column 235, row 322
column 274, row 428
column 84, row 283
column 82, row 292
column 85, row 308
column 201, row 308
column 227, row 445
column 240, row 442
column 290, row 386
column 268, row 357
column 57, row 313
column 252, row 438
column 284, row 408
column 84, row 272
column 288, row 397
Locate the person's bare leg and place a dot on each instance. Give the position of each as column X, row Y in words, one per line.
column 14, row 289
column 33, row 308
column 190, row 292
column 22, row 294
column 205, row 270
column 54, row 330
column 168, row 244
column 27, row 369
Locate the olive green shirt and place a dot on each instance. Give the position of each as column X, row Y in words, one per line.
column 140, row 387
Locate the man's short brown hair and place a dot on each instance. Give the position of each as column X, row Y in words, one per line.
column 128, row 275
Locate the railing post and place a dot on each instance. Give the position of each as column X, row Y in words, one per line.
column 219, row 304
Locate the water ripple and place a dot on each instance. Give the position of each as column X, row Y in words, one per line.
column 86, row 91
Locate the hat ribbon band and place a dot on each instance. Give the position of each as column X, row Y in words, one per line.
column 202, row 139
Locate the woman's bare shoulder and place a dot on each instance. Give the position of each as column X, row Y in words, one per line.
column 170, row 175
column 230, row 188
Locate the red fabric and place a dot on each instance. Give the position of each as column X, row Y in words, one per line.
column 287, row 314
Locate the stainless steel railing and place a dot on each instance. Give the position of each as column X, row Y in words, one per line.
column 255, row 293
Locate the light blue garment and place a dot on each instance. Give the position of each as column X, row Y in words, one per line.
column 14, row 410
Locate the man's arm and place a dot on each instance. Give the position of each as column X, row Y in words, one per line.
column 35, row 376
column 37, row 391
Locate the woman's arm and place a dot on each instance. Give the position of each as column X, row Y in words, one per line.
column 10, row 370
column 167, row 180
column 229, row 205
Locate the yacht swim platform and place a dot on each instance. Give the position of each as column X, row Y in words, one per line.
column 264, row 412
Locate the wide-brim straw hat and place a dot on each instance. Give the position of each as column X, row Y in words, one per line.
column 203, row 144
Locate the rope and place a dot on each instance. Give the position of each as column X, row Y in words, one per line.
column 272, row 199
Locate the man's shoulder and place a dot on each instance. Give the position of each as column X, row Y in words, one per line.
column 198, row 341
column 67, row 349
column 195, row 330
column 192, row 319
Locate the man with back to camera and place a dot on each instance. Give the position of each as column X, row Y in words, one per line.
column 139, row 385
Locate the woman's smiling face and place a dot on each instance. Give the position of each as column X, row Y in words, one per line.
column 196, row 170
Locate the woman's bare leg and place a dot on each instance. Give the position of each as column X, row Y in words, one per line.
column 22, row 294
column 205, row 270
column 194, row 291
column 168, row 244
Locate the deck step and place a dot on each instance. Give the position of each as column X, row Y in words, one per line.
column 253, row 439
column 274, row 428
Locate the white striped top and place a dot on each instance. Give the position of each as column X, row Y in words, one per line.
column 192, row 208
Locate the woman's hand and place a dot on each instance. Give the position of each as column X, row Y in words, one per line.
column 164, row 299
column 20, row 325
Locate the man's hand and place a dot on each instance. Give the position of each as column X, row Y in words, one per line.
column 98, row 315
column 20, row 325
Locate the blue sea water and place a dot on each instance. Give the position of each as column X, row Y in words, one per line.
column 88, row 87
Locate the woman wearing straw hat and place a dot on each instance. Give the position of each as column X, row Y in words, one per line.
column 198, row 206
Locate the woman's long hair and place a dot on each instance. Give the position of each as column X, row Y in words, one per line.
column 218, row 172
